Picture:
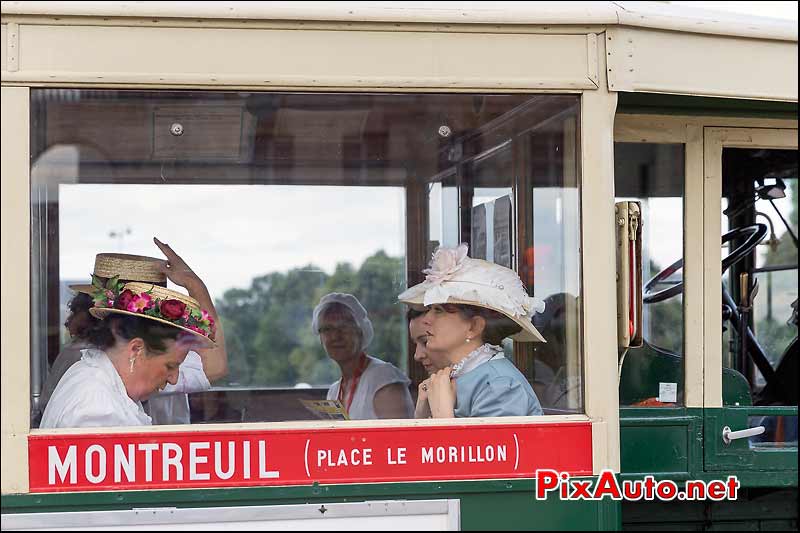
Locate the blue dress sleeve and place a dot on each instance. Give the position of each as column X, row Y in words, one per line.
column 503, row 396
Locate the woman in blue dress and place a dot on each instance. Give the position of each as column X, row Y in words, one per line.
column 468, row 307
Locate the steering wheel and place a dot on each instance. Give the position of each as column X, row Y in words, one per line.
column 754, row 235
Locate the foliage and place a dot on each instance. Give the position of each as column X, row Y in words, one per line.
column 268, row 326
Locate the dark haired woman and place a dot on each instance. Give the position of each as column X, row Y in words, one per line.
column 469, row 307
column 79, row 322
column 197, row 371
column 146, row 333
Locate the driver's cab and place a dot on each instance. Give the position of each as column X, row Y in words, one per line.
column 713, row 385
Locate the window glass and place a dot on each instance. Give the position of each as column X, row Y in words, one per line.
column 551, row 264
column 759, row 210
column 779, row 432
column 277, row 199
column 653, row 174
column 776, row 262
column 513, row 195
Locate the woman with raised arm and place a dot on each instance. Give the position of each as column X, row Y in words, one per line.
column 145, row 334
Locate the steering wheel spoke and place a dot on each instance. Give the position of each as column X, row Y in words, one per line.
column 753, row 235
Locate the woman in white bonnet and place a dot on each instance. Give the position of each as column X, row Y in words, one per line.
column 369, row 388
column 468, row 307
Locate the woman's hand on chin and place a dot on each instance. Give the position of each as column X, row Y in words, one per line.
column 442, row 394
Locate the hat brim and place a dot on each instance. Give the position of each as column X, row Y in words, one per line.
column 529, row 332
column 103, row 312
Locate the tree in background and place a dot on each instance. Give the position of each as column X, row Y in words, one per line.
column 268, row 326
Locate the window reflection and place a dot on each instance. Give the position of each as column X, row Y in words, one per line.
column 279, row 198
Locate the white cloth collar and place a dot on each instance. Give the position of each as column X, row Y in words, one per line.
column 476, row 358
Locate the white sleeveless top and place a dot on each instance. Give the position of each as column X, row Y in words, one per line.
column 377, row 375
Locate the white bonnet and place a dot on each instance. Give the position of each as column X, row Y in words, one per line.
column 453, row 277
column 351, row 302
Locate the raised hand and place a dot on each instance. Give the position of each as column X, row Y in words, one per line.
column 442, row 394
column 215, row 360
column 177, row 270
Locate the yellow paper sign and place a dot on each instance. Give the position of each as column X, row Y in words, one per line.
column 326, row 409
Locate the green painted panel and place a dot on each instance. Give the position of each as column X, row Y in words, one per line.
column 735, row 388
column 652, row 442
column 493, row 512
column 644, row 368
column 756, row 509
column 659, row 440
column 634, row 103
column 649, row 448
column 739, row 455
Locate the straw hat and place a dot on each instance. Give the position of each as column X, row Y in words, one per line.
column 457, row 279
column 145, row 300
column 127, row 267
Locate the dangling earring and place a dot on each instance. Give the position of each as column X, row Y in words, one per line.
column 132, row 360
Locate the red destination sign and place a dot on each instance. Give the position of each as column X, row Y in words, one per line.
column 202, row 459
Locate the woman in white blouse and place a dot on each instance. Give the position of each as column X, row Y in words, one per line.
column 197, row 371
column 147, row 333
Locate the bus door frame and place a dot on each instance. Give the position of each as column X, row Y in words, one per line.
column 737, row 455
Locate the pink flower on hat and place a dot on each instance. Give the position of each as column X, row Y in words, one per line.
column 445, row 263
column 207, row 321
column 124, row 300
column 198, row 330
column 140, row 303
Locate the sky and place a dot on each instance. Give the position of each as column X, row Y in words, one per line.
column 230, row 234
column 783, row 10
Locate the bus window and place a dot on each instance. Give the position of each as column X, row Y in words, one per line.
column 550, row 264
column 652, row 375
column 276, row 199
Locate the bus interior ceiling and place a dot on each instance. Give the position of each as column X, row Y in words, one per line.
column 278, row 138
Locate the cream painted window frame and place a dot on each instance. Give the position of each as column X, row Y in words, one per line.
column 715, row 140
column 598, row 337
column 689, row 130
column 664, row 130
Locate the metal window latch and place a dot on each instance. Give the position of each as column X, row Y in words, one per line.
column 728, row 435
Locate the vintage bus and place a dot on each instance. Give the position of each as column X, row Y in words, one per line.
column 603, row 150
